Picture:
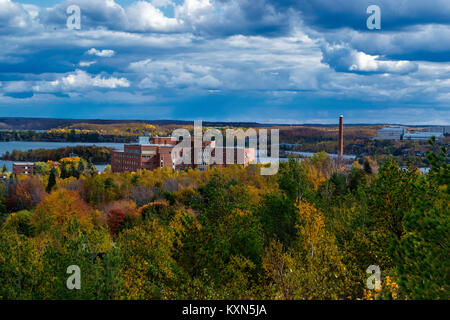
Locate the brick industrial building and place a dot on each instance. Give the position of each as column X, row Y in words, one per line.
column 26, row 168
column 150, row 153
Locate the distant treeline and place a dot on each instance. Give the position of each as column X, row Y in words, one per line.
column 91, row 153
column 49, row 123
column 69, row 136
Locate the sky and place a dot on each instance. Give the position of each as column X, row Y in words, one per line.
column 304, row 61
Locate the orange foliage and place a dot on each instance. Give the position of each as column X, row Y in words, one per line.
column 61, row 206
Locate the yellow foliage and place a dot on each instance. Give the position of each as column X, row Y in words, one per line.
column 147, row 262
column 389, row 290
column 315, row 177
column 357, row 165
column 59, row 207
column 68, row 160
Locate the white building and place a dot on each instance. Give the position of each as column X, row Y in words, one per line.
column 391, row 133
column 423, row 135
column 440, row 129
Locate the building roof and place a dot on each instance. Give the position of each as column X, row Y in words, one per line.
column 23, row 163
column 393, row 128
column 424, row 134
column 150, row 145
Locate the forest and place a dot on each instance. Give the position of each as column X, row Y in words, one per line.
column 309, row 232
column 93, row 154
column 63, row 135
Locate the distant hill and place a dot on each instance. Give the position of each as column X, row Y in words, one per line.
column 48, row 123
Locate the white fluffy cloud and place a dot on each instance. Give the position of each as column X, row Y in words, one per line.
column 139, row 16
column 367, row 63
column 143, row 16
column 86, row 63
column 81, row 79
column 17, row 17
column 101, row 53
column 343, row 58
column 195, row 11
column 174, row 74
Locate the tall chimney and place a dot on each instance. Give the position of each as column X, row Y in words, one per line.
column 341, row 140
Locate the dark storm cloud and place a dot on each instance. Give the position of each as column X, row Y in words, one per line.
column 352, row 13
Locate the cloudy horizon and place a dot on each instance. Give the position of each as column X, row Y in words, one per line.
column 239, row 60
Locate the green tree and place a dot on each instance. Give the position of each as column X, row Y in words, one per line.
column 292, row 179
column 279, row 218
column 313, row 268
column 421, row 256
column 41, row 168
column 391, row 196
column 20, row 222
column 80, row 167
column 339, row 182
column 51, row 180
column 19, row 266
column 68, row 245
column 367, row 167
column 148, row 269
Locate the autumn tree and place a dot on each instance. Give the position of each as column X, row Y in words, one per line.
column 313, row 269
column 120, row 214
column 278, row 265
column 25, row 194
column 41, row 168
column 59, row 208
column 319, row 270
column 148, row 268
column 19, row 266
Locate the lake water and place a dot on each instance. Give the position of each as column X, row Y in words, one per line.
column 32, row 145
column 310, row 154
